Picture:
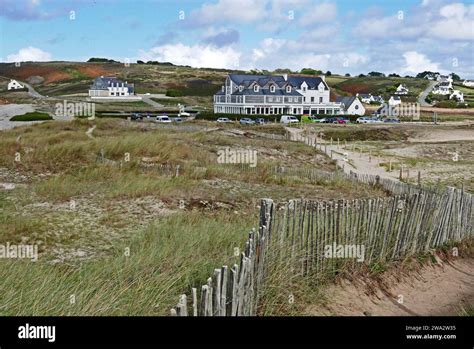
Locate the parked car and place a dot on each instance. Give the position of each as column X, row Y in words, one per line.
column 224, row 120
column 148, row 115
column 137, row 116
column 322, row 120
column 184, row 113
column 247, row 121
column 376, row 120
column 307, row 119
column 364, row 120
column 261, row 121
column 340, row 120
column 330, row 120
column 392, row 120
column 178, row 119
column 163, row 119
column 289, row 119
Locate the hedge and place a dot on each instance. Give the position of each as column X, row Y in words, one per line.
column 33, row 116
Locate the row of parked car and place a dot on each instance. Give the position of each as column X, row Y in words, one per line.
column 291, row 119
column 164, row 119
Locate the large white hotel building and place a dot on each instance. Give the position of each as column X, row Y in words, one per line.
column 275, row 94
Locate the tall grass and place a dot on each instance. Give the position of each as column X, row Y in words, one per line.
column 165, row 259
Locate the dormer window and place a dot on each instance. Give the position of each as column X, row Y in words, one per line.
column 223, row 88
column 288, row 89
column 241, row 88
column 255, row 88
column 304, row 88
column 272, row 88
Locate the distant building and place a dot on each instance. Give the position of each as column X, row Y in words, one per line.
column 111, row 87
column 351, row 105
column 457, row 95
column 366, row 98
column 14, row 85
column 378, row 99
column 394, row 100
column 401, row 90
column 442, row 88
column 274, row 94
column 468, row 83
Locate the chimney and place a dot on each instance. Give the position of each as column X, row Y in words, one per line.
column 285, row 76
column 323, row 78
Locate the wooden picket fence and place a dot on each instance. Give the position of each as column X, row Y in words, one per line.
column 300, row 231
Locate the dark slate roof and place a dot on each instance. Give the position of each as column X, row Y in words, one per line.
column 103, row 82
column 443, row 84
column 365, row 95
column 262, row 80
column 347, row 101
column 266, row 91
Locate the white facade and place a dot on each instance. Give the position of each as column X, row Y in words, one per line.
column 401, row 90
column 14, row 85
column 457, row 95
column 356, row 108
column 468, row 83
column 394, row 101
column 274, row 95
column 112, row 88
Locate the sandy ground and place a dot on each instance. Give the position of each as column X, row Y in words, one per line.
column 436, row 289
column 440, row 135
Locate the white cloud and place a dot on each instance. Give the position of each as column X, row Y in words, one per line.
column 29, row 54
column 417, row 62
column 229, row 11
column 456, row 22
column 199, row 56
column 318, row 13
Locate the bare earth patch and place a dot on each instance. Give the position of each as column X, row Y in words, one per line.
column 438, row 289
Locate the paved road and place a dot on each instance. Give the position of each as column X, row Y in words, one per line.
column 422, row 96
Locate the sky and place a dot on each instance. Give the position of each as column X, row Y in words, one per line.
column 392, row 36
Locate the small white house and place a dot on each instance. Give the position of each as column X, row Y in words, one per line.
column 365, row 97
column 443, row 88
column 351, row 105
column 394, row 100
column 468, row 83
column 457, row 95
column 15, row 85
column 401, row 90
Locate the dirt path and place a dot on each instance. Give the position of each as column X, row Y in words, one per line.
column 348, row 160
column 437, row 289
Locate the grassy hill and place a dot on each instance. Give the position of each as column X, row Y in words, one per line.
column 384, row 86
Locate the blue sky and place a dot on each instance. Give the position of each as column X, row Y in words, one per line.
column 403, row 36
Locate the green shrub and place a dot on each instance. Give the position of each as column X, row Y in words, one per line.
column 174, row 93
column 33, row 116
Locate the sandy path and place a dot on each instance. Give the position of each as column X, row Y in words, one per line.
column 438, row 289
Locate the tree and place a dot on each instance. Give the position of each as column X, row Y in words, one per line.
column 140, row 62
column 455, row 77
column 328, row 73
column 347, row 75
column 376, row 73
column 361, row 76
column 393, row 75
column 310, row 71
column 426, row 73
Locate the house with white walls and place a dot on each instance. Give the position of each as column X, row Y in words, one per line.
column 14, row 85
column 351, row 105
column 468, row 83
column 394, row 100
column 442, row 88
column 402, row 90
column 457, row 95
column 275, row 95
column 366, row 98
column 109, row 87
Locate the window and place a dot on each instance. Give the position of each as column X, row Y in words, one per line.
column 270, row 99
column 241, row 88
column 255, row 88
column 288, row 89
column 320, row 99
column 312, row 99
column 278, row 99
column 112, row 93
column 356, row 107
column 272, row 88
column 223, row 88
column 290, row 99
column 304, row 89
